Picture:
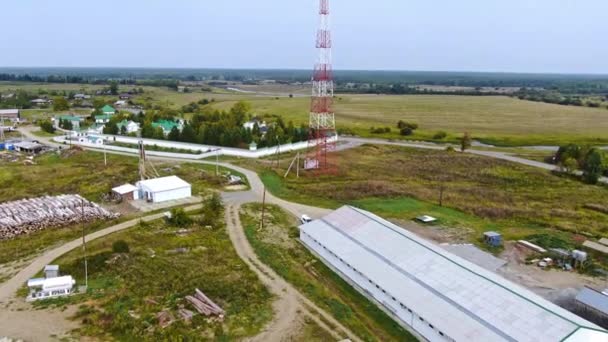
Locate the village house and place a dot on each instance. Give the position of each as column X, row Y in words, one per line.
column 75, row 120
column 103, row 119
column 167, row 125
column 10, row 114
column 130, row 126
column 108, row 110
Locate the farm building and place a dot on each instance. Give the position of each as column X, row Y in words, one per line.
column 164, row 189
column 28, row 147
column 431, row 292
column 126, row 192
column 10, row 114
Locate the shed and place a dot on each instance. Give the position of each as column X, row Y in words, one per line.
column 10, row 114
column 164, row 189
column 126, row 192
column 493, row 239
column 28, row 147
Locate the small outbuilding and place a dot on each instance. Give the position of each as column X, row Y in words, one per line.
column 126, row 192
column 51, row 271
column 164, row 189
column 28, row 147
column 108, row 110
column 493, row 239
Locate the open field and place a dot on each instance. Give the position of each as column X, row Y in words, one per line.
column 127, row 290
column 277, row 246
column 82, row 173
column 493, row 119
column 479, row 193
column 497, row 120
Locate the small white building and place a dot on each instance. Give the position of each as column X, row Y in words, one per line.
column 250, row 124
column 51, row 286
column 127, row 192
column 164, row 189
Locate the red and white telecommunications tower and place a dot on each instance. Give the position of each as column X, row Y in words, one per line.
column 322, row 131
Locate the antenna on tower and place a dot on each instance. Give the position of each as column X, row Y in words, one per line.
column 322, row 124
column 142, row 163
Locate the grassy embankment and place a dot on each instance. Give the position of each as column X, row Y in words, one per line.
column 278, row 247
column 163, row 265
column 479, row 194
column 83, row 173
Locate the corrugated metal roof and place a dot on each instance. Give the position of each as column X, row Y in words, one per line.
column 594, row 299
column 460, row 298
column 164, row 184
column 124, row 189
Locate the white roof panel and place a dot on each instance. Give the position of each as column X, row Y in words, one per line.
column 124, row 189
column 164, row 184
column 465, row 300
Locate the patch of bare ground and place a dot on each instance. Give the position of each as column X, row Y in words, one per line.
column 436, row 233
column 20, row 320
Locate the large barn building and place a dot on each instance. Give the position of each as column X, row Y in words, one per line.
column 164, row 189
column 431, row 292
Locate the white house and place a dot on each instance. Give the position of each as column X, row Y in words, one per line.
column 120, row 103
column 164, row 189
column 250, row 124
column 130, row 126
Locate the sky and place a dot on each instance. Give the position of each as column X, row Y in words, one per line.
column 557, row 36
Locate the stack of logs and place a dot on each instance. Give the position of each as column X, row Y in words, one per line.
column 30, row 215
column 204, row 305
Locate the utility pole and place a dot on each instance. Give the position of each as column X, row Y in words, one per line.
column 217, row 162
column 263, row 207
column 105, row 158
column 84, row 248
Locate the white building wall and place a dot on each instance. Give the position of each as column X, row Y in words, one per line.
column 172, row 194
column 405, row 314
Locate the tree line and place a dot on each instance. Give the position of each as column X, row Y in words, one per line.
column 591, row 160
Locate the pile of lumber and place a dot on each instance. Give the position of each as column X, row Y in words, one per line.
column 30, row 215
column 204, row 305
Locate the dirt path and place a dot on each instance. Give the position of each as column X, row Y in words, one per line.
column 19, row 319
column 290, row 304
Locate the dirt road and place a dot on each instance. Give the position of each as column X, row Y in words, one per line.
column 290, row 304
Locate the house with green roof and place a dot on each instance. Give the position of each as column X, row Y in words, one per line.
column 75, row 120
column 167, row 125
column 103, row 119
column 108, row 110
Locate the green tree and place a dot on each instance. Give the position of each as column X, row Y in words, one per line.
column 114, row 88
column 569, row 165
column 594, row 166
column 179, row 218
column 466, row 141
column 47, row 126
column 158, row 134
column 123, row 130
column 188, row 134
column 60, row 104
column 174, row 134
column 111, row 128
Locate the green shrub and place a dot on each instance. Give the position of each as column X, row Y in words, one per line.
column 402, row 124
column 440, row 135
column 406, row 131
column 120, row 246
column 179, row 218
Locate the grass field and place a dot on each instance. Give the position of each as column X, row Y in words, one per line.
column 479, row 193
column 127, row 290
column 493, row 119
column 278, row 247
column 82, row 173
